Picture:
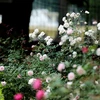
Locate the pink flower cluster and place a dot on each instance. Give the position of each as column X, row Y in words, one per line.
column 18, row 96
column 37, row 85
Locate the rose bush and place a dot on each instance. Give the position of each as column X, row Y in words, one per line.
column 67, row 70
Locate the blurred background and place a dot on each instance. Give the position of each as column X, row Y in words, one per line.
column 46, row 15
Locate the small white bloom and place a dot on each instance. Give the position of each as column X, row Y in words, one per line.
column 41, row 58
column 30, row 82
column 30, row 35
column 41, row 35
column 3, row 83
column 32, row 46
column 49, row 42
column 78, row 14
column 43, row 73
column 92, row 50
column 96, row 82
column 85, row 23
column 72, row 14
column 45, row 56
column 61, row 29
column 98, row 28
column 70, row 23
column 95, row 67
column 47, row 38
column 72, row 42
column 74, row 66
column 64, row 38
column 68, row 14
column 96, row 42
column 64, row 18
column 70, row 38
column 60, row 43
column 86, row 33
column 98, row 25
column 80, row 70
column 82, row 85
column 98, row 52
column 30, row 72
column 74, row 53
column 48, row 79
column 78, row 39
column 33, row 36
column 31, row 54
column 36, row 31
column 69, row 84
column 38, row 54
column 66, row 25
column 87, row 12
column 48, row 87
column 94, row 22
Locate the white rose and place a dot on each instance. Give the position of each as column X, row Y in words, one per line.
column 87, row 12
column 98, row 52
column 3, row 83
column 31, row 81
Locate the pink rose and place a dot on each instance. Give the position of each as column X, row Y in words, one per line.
column 69, row 31
column 61, row 67
column 2, row 68
column 80, row 70
column 40, row 95
column 18, row 96
column 37, row 84
column 71, row 76
column 84, row 49
column 30, row 72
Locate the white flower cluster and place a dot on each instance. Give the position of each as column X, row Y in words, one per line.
column 73, row 15
column 74, row 40
column 68, row 23
column 89, row 33
column 98, row 26
column 36, row 35
column 67, row 29
column 42, row 57
column 61, row 29
column 48, row 40
column 41, row 35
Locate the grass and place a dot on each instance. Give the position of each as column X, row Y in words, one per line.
column 1, row 96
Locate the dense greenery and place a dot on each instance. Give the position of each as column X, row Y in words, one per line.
column 65, row 70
